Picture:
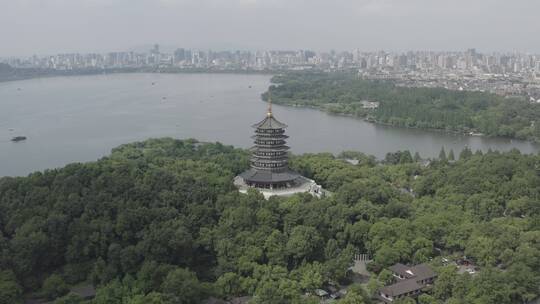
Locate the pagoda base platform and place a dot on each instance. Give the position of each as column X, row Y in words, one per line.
column 301, row 185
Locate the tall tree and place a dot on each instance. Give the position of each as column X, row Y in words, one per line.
column 451, row 156
column 442, row 155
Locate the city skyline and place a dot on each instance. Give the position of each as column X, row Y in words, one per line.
column 505, row 74
column 48, row 27
column 170, row 49
column 185, row 56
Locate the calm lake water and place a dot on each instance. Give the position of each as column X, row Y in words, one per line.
column 76, row 119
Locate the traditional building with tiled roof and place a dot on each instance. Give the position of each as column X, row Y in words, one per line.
column 269, row 172
column 411, row 281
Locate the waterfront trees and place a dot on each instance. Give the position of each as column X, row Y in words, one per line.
column 433, row 108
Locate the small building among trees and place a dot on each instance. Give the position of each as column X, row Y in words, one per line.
column 411, row 281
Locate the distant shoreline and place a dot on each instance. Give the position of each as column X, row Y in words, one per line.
column 322, row 109
column 435, row 109
column 95, row 72
column 23, row 74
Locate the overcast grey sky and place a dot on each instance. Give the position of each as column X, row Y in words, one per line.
column 53, row 26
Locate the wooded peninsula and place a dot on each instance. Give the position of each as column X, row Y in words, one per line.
column 426, row 108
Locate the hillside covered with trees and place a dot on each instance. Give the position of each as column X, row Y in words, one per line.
column 161, row 222
column 9, row 73
column 433, row 108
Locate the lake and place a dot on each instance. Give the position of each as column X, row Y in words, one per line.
column 77, row 119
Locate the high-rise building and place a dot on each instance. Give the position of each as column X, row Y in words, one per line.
column 179, row 55
column 155, row 50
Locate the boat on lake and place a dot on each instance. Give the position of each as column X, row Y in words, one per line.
column 18, row 138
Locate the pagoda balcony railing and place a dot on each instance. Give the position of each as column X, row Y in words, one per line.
column 270, row 154
column 270, row 142
column 270, row 136
column 273, row 169
column 270, row 148
column 270, row 159
column 269, row 131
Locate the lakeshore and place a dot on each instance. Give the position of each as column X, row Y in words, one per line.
column 78, row 119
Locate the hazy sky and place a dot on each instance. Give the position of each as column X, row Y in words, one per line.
column 53, row 26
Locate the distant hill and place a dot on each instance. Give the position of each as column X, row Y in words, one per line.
column 5, row 67
column 9, row 73
column 6, row 71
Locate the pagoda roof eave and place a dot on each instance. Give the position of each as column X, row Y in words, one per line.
column 270, row 159
column 267, row 176
column 269, row 148
column 269, row 136
column 269, row 123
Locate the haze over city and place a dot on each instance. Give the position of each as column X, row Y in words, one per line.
column 32, row 27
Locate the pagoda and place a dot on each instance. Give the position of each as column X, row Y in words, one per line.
column 269, row 172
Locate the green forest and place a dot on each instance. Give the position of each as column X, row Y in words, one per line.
column 427, row 108
column 160, row 221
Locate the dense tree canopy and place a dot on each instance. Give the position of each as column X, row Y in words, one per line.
column 161, row 222
column 434, row 108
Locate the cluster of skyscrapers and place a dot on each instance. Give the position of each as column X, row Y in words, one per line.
column 502, row 73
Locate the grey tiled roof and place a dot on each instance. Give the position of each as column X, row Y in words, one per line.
column 419, row 272
column 401, row 287
column 266, row 176
column 423, row 271
column 401, row 270
column 414, row 275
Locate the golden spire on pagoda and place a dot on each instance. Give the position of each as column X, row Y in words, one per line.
column 269, row 114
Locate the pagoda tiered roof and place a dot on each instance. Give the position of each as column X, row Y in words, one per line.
column 269, row 159
column 269, row 123
column 269, row 136
column 266, row 176
column 263, row 148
